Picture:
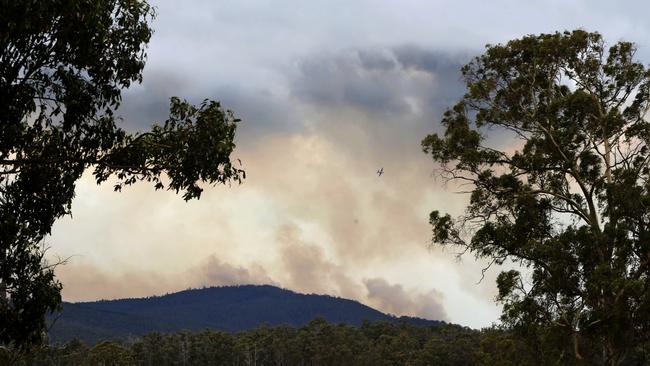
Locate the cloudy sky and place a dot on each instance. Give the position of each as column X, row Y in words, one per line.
column 329, row 92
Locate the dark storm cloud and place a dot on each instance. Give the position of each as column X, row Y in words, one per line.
column 148, row 103
column 404, row 81
column 443, row 66
column 398, row 81
column 437, row 63
column 345, row 79
column 376, row 60
column 260, row 110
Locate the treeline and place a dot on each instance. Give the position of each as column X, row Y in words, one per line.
column 317, row 343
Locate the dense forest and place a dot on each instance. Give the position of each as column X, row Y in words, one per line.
column 318, row 343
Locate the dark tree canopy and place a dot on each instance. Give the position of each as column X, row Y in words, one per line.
column 571, row 203
column 63, row 65
column 317, row 343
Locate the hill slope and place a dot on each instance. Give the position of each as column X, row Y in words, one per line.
column 231, row 309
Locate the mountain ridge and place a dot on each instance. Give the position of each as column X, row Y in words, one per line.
column 226, row 308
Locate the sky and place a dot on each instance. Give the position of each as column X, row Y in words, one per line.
column 328, row 93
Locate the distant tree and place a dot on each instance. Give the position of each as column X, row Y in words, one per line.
column 398, row 349
column 500, row 347
column 569, row 198
column 452, row 345
column 212, row 348
column 63, row 64
column 110, row 354
column 74, row 353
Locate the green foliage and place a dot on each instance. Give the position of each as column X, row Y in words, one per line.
column 63, row 64
column 568, row 200
column 109, row 354
column 321, row 344
column 318, row 343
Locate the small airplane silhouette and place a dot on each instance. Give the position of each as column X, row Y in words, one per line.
column 380, row 172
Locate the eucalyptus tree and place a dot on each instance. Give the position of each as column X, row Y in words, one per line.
column 63, row 65
column 568, row 198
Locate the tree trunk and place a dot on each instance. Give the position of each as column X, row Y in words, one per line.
column 611, row 354
column 576, row 348
column 4, row 298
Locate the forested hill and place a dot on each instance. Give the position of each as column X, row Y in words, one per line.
column 231, row 309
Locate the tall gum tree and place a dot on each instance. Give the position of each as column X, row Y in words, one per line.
column 572, row 204
column 63, row 65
